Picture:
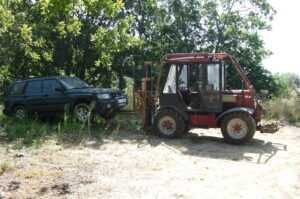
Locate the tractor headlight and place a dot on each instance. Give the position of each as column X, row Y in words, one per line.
column 103, row 96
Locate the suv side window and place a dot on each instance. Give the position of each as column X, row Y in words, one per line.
column 34, row 88
column 17, row 89
column 49, row 86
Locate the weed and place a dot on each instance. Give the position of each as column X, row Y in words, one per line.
column 5, row 166
column 284, row 109
column 35, row 132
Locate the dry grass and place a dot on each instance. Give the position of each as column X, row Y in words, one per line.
column 5, row 167
column 128, row 165
column 284, row 109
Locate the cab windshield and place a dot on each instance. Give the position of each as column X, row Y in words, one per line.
column 74, row 82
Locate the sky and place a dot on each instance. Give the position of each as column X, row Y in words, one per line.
column 284, row 38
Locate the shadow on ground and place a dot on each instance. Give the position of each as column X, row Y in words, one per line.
column 257, row 151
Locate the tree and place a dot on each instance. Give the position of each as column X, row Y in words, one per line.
column 231, row 26
column 71, row 37
column 101, row 41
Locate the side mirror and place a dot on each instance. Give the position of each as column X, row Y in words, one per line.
column 60, row 89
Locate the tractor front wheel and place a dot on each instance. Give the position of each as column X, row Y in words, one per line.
column 238, row 128
column 169, row 124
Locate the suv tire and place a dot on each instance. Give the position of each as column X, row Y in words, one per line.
column 20, row 112
column 82, row 112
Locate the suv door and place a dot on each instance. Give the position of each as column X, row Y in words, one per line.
column 34, row 98
column 55, row 100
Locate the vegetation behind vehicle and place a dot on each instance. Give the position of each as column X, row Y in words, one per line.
column 285, row 106
column 100, row 41
column 40, row 38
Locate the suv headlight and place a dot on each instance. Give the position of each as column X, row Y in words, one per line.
column 103, row 96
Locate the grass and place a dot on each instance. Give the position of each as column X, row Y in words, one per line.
column 35, row 132
column 5, row 166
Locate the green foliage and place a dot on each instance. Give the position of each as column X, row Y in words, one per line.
column 284, row 88
column 101, row 41
column 51, row 37
column 287, row 84
column 285, row 105
column 32, row 132
column 231, row 26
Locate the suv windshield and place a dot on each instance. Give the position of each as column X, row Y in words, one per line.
column 74, row 82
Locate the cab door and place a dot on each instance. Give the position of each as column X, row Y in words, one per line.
column 205, row 87
column 173, row 85
column 212, row 96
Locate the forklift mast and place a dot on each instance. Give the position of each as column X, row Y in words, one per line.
column 146, row 98
column 147, row 88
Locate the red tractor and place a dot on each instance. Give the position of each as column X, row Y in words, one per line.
column 192, row 92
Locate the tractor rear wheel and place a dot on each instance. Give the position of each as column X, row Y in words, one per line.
column 238, row 128
column 169, row 124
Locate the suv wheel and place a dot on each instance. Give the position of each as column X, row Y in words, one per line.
column 82, row 112
column 169, row 124
column 20, row 112
column 238, row 128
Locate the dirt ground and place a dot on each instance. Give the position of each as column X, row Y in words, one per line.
column 137, row 166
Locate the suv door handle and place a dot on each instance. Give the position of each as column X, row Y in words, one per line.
column 46, row 95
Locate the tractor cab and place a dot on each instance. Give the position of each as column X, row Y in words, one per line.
column 194, row 87
column 194, row 91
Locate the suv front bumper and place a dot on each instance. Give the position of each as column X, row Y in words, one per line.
column 108, row 108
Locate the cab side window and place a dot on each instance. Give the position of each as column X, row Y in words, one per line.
column 170, row 85
column 17, row 89
column 183, row 78
column 34, row 87
column 49, row 86
column 213, row 77
column 232, row 78
column 197, row 77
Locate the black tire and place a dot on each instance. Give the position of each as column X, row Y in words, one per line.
column 20, row 112
column 177, row 124
column 244, row 122
column 82, row 112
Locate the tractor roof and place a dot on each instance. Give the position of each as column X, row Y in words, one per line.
column 194, row 57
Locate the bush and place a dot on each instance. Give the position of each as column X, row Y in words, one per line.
column 284, row 109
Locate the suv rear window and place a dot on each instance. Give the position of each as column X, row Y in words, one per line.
column 34, row 87
column 17, row 89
